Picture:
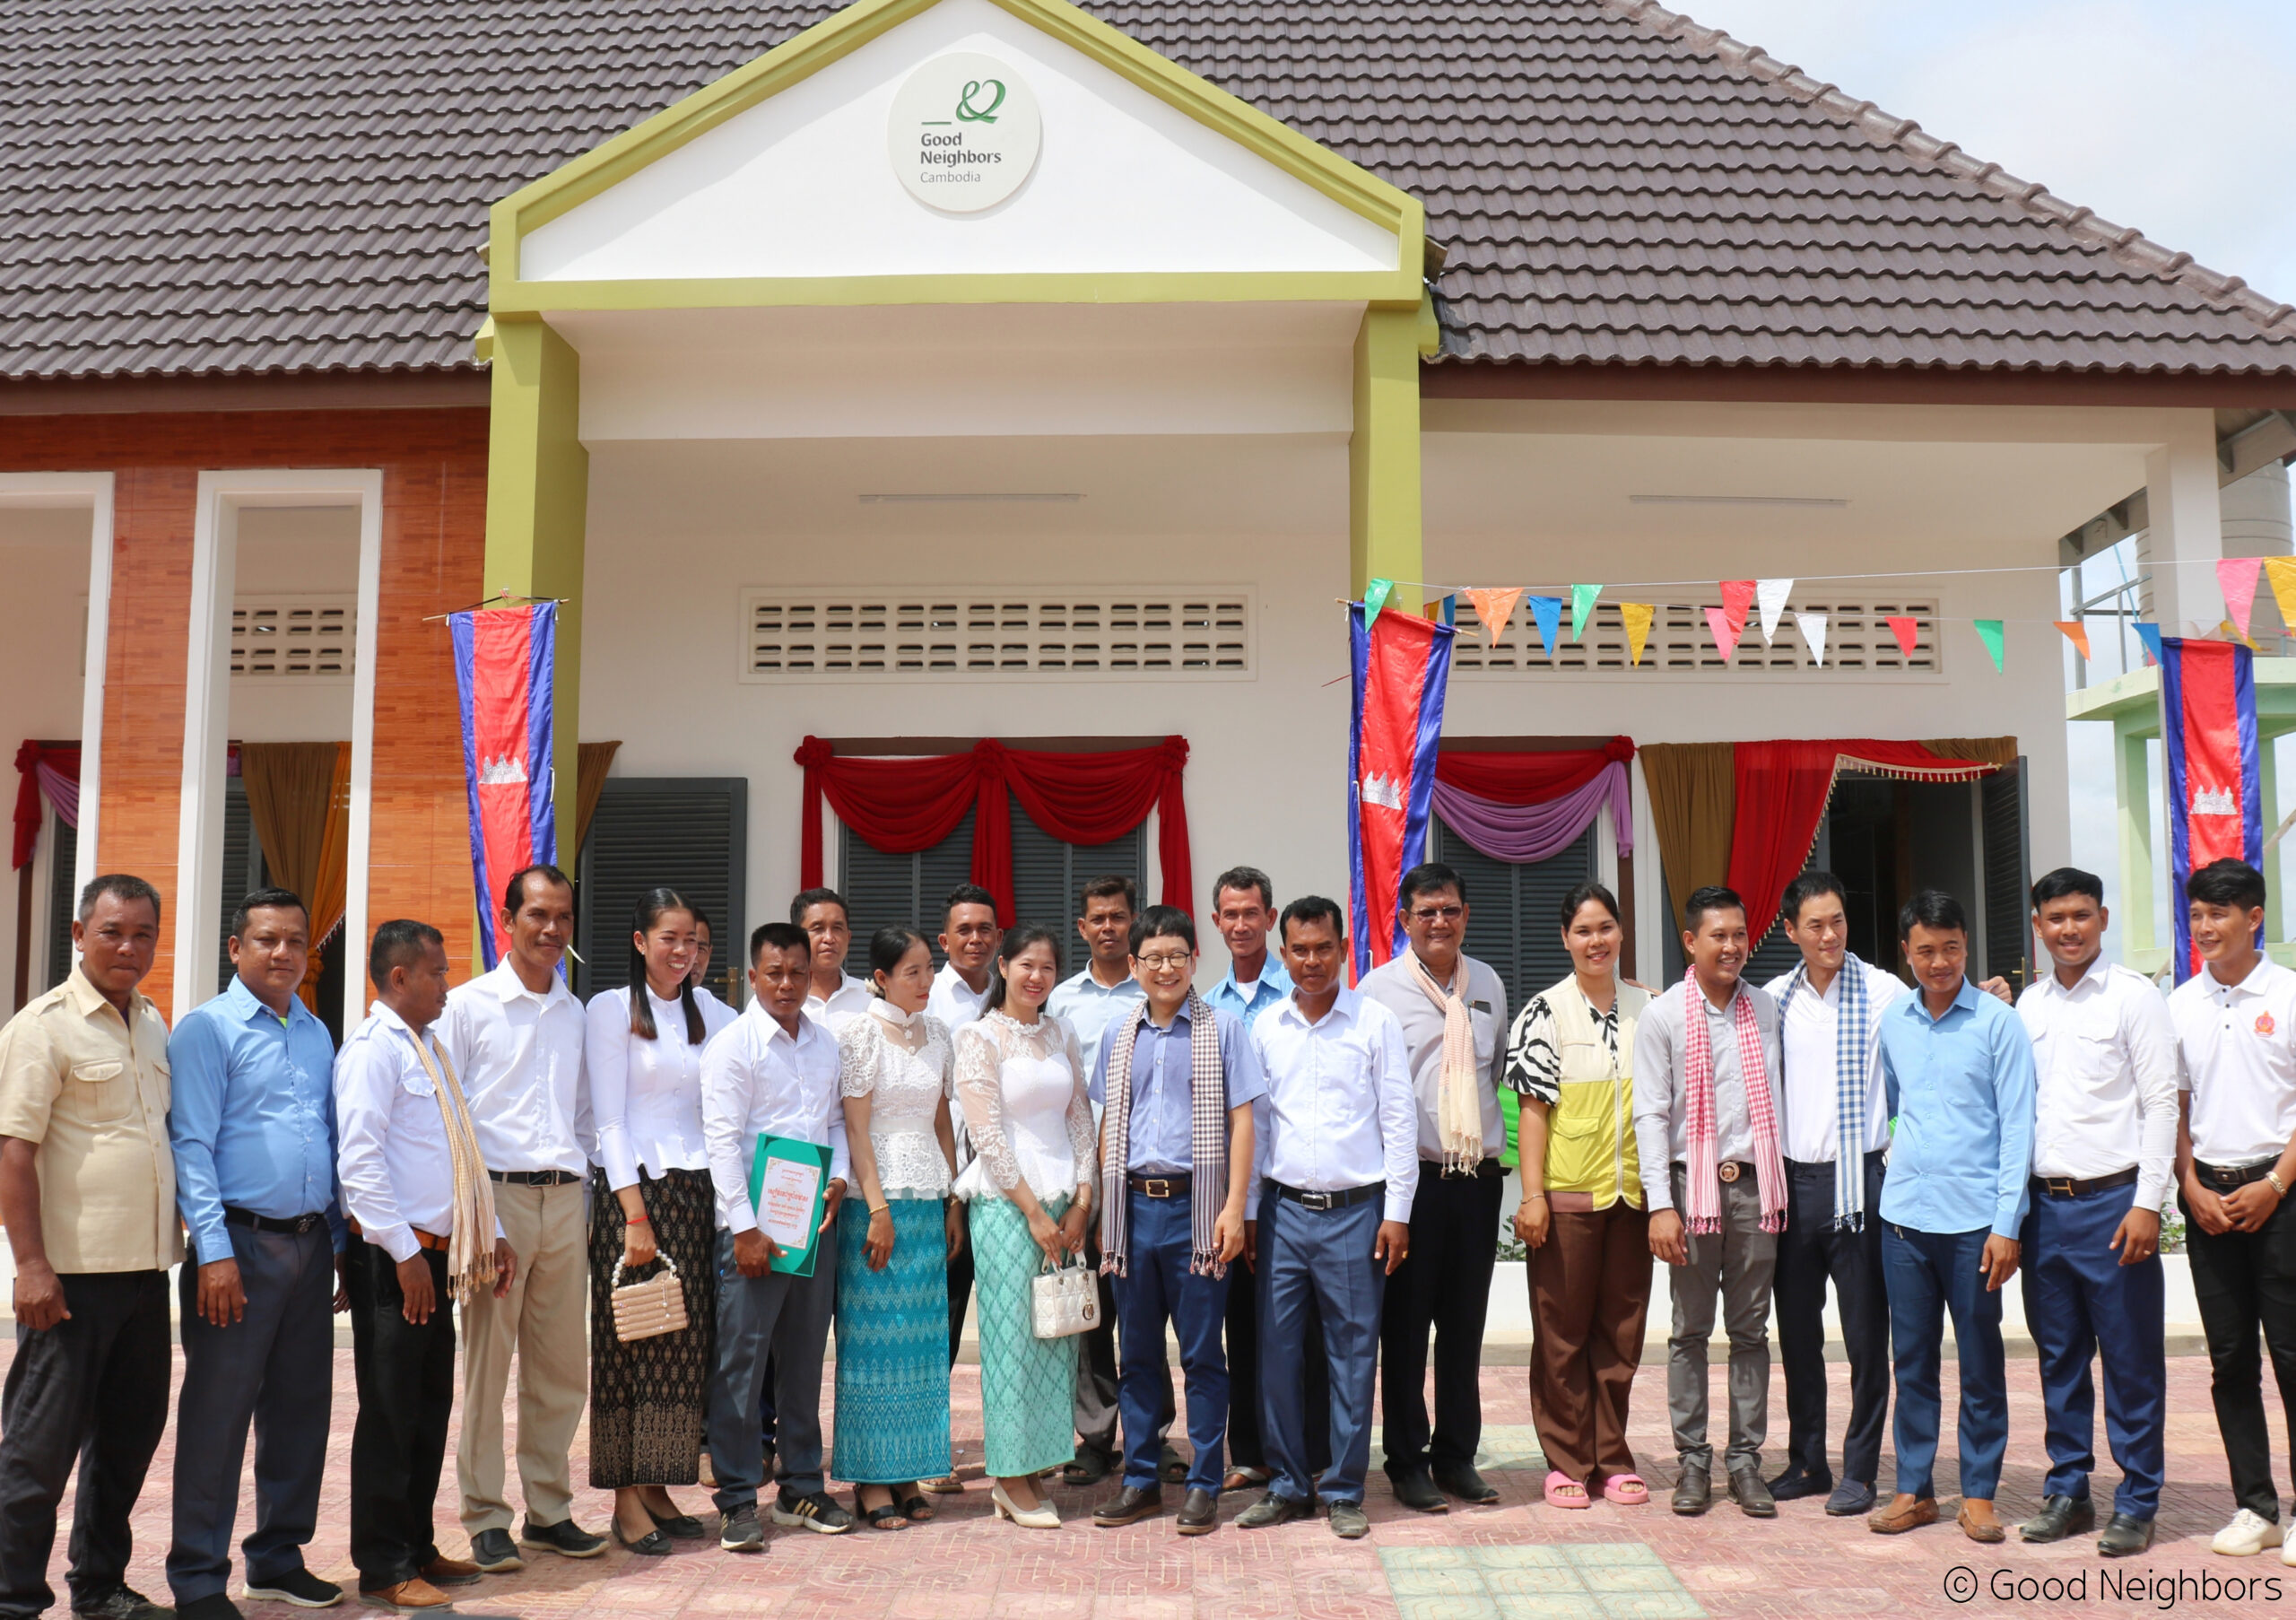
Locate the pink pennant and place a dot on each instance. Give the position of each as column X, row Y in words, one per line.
column 1908, row 630
column 1737, row 596
column 2237, row 577
column 1726, row 632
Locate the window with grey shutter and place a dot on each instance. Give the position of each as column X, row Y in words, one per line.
column 687, row 833
column 1513, row 908
column 63, row 903
column 1046, row 874
column 2008, row 876
column 243, row 872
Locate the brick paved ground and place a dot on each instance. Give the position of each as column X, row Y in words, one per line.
column 1517, row 1558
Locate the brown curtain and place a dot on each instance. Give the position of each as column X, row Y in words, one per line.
column 593, row 759
column 299, row 798
column 1693, row 803
column 1986, row 750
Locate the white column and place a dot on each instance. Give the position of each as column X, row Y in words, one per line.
column 2186, row 541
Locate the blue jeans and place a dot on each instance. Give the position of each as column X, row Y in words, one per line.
column 1325, row 1255
column 2080, row 1300
column 1930, row 1274
column 1157, row 1288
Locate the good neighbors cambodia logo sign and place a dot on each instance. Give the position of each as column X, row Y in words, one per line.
column 964, row 133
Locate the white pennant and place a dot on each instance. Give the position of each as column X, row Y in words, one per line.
column 1813, row 627
column 1771, row 594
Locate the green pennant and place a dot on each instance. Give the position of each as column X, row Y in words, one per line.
column 1375, row 597
column 1988, row 631
column 1582, row 606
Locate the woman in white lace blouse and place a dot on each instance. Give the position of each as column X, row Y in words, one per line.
column 1021, row 1084
column 893, row 1241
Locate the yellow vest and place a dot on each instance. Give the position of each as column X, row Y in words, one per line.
column 1590, row 1130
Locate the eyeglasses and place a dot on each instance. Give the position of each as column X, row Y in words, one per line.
column 1438, row 914
column 1164, row 962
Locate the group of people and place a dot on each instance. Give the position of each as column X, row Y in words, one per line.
column 1300, row 1182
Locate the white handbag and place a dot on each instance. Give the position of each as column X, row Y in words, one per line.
column 649, row 1309
column 1066, row 1301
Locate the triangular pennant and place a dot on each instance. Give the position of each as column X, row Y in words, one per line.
column 1737, row 596
column 2281, row 573
column 1908, row 630
column 1494, row 607
column 1375, row 597
column 1446, row 611
column 1988, row 631
column 2150, row 634
column 1813, row 627
column 1637, row 617
column 1582, row 607
column 2077, row 634
column 1548, row 612
column 1726, row 634
column 2225, row 632
column 1772, row 595
column 2238, row 578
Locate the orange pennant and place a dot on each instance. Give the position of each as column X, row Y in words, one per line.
column 1494, row 607
column 2075, row 632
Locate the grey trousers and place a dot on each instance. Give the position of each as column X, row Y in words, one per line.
column 1735, row 1265
column 273, row 1368
column 786, row 1317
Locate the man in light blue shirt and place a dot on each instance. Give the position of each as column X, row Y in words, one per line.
column 1243, row 907
column 251, row 1121
column 1959, row 1067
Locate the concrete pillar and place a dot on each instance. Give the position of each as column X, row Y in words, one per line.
column 2186, row 541
column 1383, row 459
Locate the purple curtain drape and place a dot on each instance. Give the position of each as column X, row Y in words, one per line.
column 1529, row 832
column 62, row 791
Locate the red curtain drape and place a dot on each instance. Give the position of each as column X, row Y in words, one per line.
column 1529, row 778
column 30, row 758
column 901, row 807
column 1783, row 788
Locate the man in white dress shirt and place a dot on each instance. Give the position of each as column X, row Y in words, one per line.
column 2104, row 1148
column 832, row 995
column 774, row 1072
column 516, row 1038
column 1338, row 1135
column 968, row 937
column 397, row 1175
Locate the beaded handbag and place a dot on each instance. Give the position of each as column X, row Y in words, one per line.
column 649, row 1309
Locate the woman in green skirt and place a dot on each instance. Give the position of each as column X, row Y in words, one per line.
column 1021, row 1084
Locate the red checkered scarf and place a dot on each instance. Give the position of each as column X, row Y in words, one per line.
column 1703, row 1181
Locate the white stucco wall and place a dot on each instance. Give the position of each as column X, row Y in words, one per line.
column 43, row 597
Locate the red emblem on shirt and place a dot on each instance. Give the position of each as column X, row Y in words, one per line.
column 2264, row 1023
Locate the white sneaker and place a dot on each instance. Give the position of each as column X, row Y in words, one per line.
column 2248, row 1535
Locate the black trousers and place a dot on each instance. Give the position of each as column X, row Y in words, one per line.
column 1443, row 1285
column 406, row 1394
column 92, row 1389
column 1246, row 1448
column 2245, row 1282
column 1811, row 1250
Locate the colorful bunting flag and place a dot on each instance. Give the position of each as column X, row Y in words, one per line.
column 1375, row 597
column 2077, row 634
column 1495, row 607
column 1548, row 612
column 2150, row 634
column 1906, row 630
column 1772, row 593
column 1582, row 607
column 1725, row 633
column 1737, row 596
column 1813, row 627
column 505, row 674
column 2225, row 632
column 2281, row 573
column 1988, row 631
column 1637, row 617
column 1401, row 667
column 2238, row 578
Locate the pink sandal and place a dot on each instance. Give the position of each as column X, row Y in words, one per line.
column 1564, row 1492
column 1627, row 1490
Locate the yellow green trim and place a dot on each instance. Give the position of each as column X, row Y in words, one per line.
column 537, row 504
column 1354, row 187
column 483, row 343
column 1383, row 477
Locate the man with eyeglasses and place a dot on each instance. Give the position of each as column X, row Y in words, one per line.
column 1452, row 1009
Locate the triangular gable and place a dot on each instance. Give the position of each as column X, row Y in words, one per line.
column 784, row 182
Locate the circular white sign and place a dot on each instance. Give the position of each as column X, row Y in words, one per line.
column 964, row 133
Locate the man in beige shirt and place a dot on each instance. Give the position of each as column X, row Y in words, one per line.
column 88, row 1195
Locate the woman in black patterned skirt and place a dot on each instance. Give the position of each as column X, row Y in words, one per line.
column 650, row 1200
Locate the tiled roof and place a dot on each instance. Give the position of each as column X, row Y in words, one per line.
column 243, row 186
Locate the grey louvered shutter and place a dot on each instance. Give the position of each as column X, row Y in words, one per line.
column 1046, row 874
column 1512, row 908
column 242, row 871
column 881, row 889
column 687, row 833
column 2008, row 876
column 63, row 903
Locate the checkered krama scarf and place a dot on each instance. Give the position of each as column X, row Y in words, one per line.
column 1852, row 1063
column 1702, row 1179
column 1207, row 1138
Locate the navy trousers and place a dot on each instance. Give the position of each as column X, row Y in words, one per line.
column 274, row 1369
column 1158, row 1288
column 2081, row 1301
column 1325, row 1255
column 1930, row 1275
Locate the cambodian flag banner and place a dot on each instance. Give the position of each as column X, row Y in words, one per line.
column 2208, row 729
column 1402, row 664
column 503, row 661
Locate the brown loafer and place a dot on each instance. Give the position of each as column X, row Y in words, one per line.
column 1979, row 1522
column 1904, row 1513
column 408, row 1597
column 450, row 1571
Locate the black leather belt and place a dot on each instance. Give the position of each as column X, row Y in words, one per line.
column 2068, row 1186
column 533, row 1178
column 294, row 1226
column 1338, row 1199
column 1161, row 1187
column 2226, row 1177
column 1729, row 1170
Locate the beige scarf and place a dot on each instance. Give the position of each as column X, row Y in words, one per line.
column 1458, row 1110
column 470, row 1244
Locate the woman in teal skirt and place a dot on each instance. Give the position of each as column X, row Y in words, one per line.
column 1029, row 1187
column 894, row 1241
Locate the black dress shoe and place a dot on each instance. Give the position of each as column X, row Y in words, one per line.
column 1461, row 1480
column 2124, row 1534
column 1200, row 1513
column 653, row 1544
column 215, row 1606
column 1130, row 1506
column 1349, row 1521
column 566, row 1538
column 124, row 1603
column 1417, row 1492
column 1795, row 1484
column 1693, row 1492
column 678, row 1526
column 1752, row 1496
column 2060, row 1516
column 1273, row 1509
column 1851, row 1499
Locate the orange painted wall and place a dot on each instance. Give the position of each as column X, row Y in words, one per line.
column 434, row 540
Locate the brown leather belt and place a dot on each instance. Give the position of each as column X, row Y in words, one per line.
column 1729, row 1170
column 2224, row 1178
column 2068, row 1186
column 426, row 1239
column 1161, row 1187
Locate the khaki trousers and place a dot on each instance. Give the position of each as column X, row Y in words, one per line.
column 543, row 1319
